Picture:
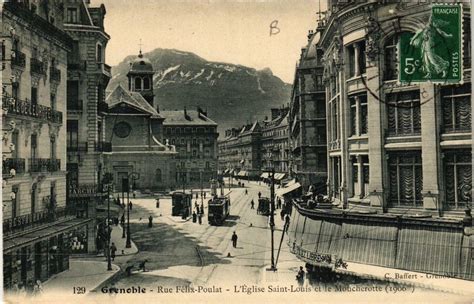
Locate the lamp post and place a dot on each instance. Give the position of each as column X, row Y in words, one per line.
column 134, row 176
column 107, row 185
column 272, row 220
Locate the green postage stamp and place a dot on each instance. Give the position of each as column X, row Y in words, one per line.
column 434, row 52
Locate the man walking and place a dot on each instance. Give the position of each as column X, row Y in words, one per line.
column 252, row 204
column 234, row 239
column 300, row 276
column 130, row 205
column 259, row 194
column 113, row 249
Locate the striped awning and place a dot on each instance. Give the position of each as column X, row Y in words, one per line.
column 264, row 175
column 242, row 173
column 280, row 176
column 286, row 190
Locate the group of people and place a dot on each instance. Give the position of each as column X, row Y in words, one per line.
column 29, row 289
column 198, row 212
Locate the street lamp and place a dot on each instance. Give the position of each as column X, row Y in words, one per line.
column 107, row 184
column 125, row 182
column 272, row 219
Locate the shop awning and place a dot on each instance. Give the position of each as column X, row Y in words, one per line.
column 242, row 173
column 286, row 190
column 280, row 176
column 264, row 175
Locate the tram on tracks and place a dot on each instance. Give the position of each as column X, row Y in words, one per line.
column 181, row 204
column 218, row 207
column 263, row 206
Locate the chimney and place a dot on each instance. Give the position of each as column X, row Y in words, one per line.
column 275, row 113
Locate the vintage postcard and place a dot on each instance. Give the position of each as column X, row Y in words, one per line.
column 237, row 151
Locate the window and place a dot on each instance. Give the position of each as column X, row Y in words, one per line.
column 194, row 141
column 404, row 113
column 358, row 114
column 72, row 94
column 53, row 101
column 138, row 83
column 52, row 142
column 99, row 53
column 336, row 169
column 34, row 97
column 146, row 83
column 15, row 90
column 34, row 146
column 15, row 141
column 352, row 61
column 72, row 16
column 406, row 179
column 458, row 174
column 72, row 134
column 390, row 58
column 456, row 104
column 208, row 165
column 15, row 199
column 158, row 177
column 122, row 129
column 178, row 130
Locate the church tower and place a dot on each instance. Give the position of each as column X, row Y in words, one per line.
column 140, row 78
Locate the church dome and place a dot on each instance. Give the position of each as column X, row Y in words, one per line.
column 141, row 65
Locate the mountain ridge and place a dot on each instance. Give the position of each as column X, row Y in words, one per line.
column 232, row 93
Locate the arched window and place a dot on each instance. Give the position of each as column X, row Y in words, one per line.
column 146, row 83
column 138, row 83
column 158, row 176
column 390, row 57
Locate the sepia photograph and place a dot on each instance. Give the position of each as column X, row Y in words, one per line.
column 237, row 151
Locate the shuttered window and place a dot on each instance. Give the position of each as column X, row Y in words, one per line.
column 456, row 104
column 404, row 116
column 458, row 175
column 406, row 179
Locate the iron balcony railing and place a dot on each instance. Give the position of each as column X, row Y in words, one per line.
column 19, row 59
column 75, row 105
column 44, row 165
column 27, row 108
column 37, row 66
column 13, row 163
column 77, row 147
column 102, row 146
column 33, row 220
column 54, row 74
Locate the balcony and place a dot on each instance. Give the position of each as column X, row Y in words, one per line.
column 18, row 164
column 29, row 109
column 44, row 165
column 34, row 220
column 75, row 106
column 102, row 146
column 78, row 147
column 104, row 69
column 102, row 107
column 19, row 59
column 54, row 74
column 37, row 66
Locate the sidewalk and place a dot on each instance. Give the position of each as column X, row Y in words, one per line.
column 83, row 273
column 116, row 237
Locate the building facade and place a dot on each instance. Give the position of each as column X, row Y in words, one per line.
column 307, row 118
column 87, row 78
column 135, row 129
column 38, row 223
column 194, row 135
column 400, row 182
column 240, row 151
column 275, row 144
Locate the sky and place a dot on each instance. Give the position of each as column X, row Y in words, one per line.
column 231, row 31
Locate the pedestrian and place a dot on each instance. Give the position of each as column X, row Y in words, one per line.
column 259, row 194
column 141, row 266
column 300, row 276
column 282, row 214
column 122, row 219
column 197, row 210
column 134, row 193
column 130, row 205
column 287, row 222
column 252, row 204
column 196, row 205
column 200, row 218
column 157, row 203
column 246, row 192
column 204, row 194
column 234, row 239
column 113, row 249
column 150, row 221
column 194, row 216
column 279, row 203
column 202, row 208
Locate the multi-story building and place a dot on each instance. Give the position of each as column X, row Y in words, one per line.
column 275, row 144
column 87, row 78
column 400, row 154
column 307, row 118
column 195, row 137
column 240, row 152
column 37, row 220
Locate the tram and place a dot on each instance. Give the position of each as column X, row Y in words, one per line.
column 218, row 207
column 181, row 204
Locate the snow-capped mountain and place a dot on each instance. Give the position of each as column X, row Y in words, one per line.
column 232, row 94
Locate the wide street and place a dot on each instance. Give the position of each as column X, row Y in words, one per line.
column 183, row 251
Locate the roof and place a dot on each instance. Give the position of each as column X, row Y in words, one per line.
column 133, row 99
column 191, row 118
column 141, row 65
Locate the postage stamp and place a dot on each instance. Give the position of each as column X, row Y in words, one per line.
column 434, row 52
